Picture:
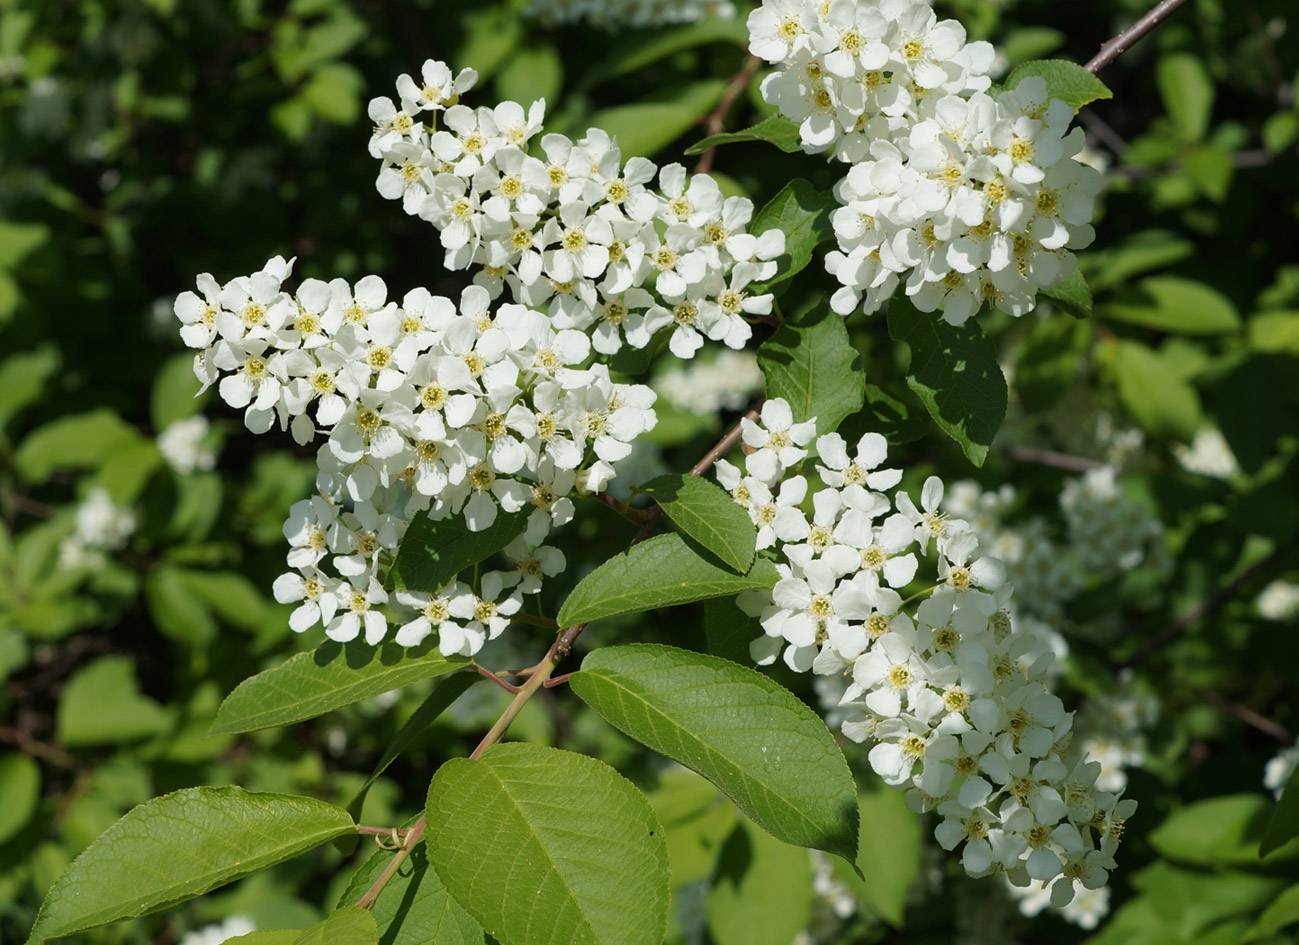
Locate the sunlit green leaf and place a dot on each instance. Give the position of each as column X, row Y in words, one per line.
column 329, row 677
column 741, row 730
column 179, row 846
column 548, row 847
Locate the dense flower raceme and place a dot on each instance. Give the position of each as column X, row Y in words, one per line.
column 628, row 14
column 1106, row 534
column 574, row 231
column 958, row 717
column 961, row 197
column 426, row 408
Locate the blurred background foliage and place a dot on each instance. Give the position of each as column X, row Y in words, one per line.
column 145, row 141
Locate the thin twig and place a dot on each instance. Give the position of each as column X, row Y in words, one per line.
column 724, row 445
column 1207, row 606
column 1029, row 454
column 635, row 516
column 716, row 121
column 536, row 622
column 1245, row 714
column 488, row 674
column 1103, row 132
column 31, row 747
column 557, row 681
column 1121, row 43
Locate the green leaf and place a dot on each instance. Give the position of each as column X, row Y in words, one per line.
column 1213, row 832
column 18, row 240
column 1281, row 911
column 776, row 130
column 545, row 846
column 273, row 937
column 445, row 692
column 1046, row 361
column 334, row 92
column 1280, row 131
column 101, row 705
column 491, row 36
column 954, row 372
column 1072, row 296
column 697, row 819
column 1210, row 167
column 1160, row 401
column 1171, row 303
column 347, row 926
column 802, row 213
column 1283, row 825
column 179, row 846
column 1274, row 332
column 702, row 510
column 534, row 71
column 646, row 127
column 762, row 893
column 1139, row 253
column 20, row 790
column 635, row 50
column 175, row 610
column 433, row 553
column 414, row 907
column 888, row 854
column 84, row 439
column 1065, row 80
column 660, row 572
column 769, row 753
column 729, row 630
column 329, row 677
column 23, row 378
column 811, row 365
column 898, row 420
column 1187, row 92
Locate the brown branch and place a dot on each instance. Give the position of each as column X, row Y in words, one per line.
column 1124, row 41
column 1207, row 606
column 635, row 516
column 724, row 445
column 536, row 622
column 716, row 121
column 488, row 674
column 1029, row 454
column 31, row 747
column 1245, row 714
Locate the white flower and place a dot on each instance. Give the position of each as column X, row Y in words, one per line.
column 359, row 614
column 777, row 441
column 101, row 523
column 182, row 446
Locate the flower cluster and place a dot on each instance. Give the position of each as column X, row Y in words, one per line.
column 961, row 197
column 727, row 382
column 1279, row 769
column 1109, row 531
column 101, row 526
column 628, row 14
column 1279, row 601
column 184, row 445
column 1086, row 910
column 1208, row 455
column 1112, row 730
column 957, row 717
column 425, row 407
column 575, row 232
